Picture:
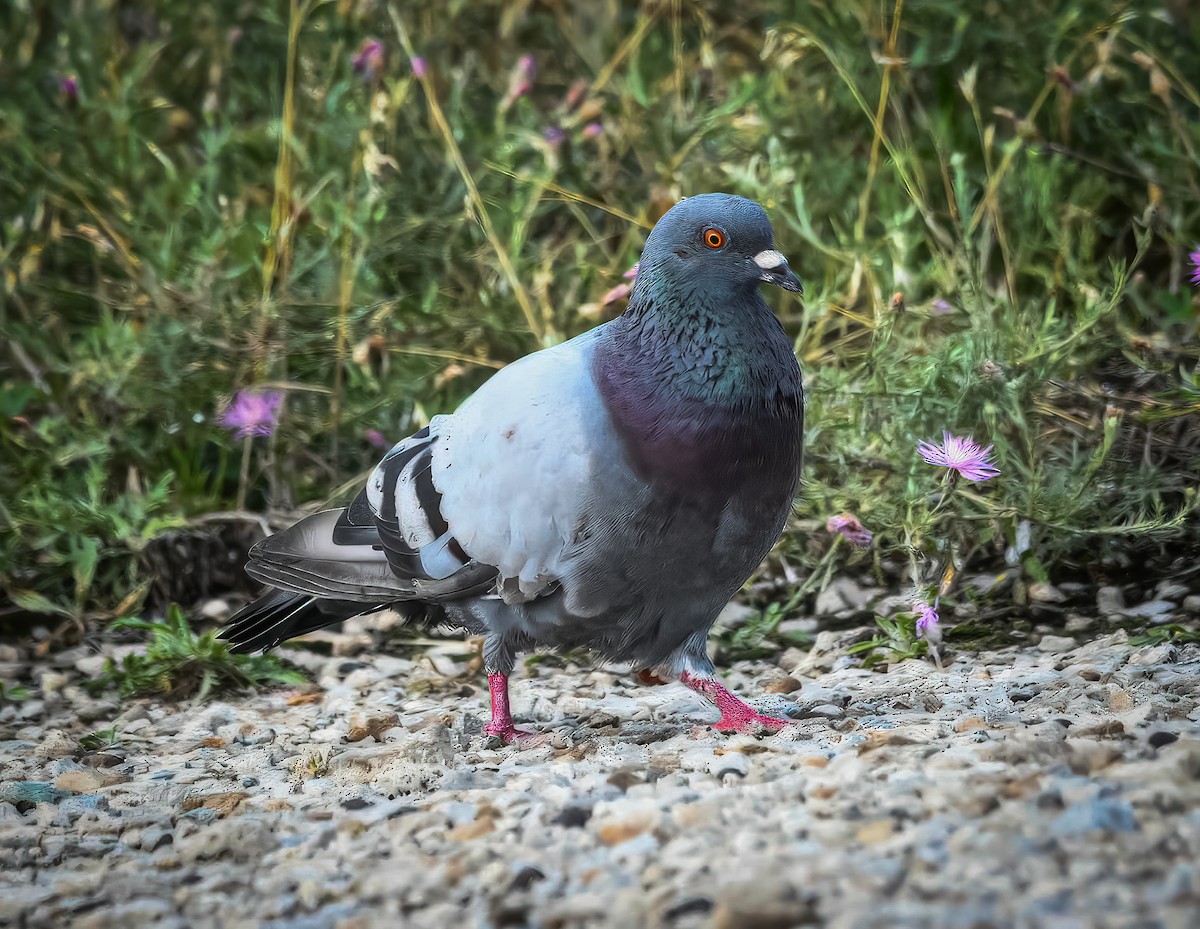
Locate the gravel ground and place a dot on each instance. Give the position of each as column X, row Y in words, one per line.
column 1055, row 785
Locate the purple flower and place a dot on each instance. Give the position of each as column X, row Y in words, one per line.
column 1194, row 258
column 927, row 618
column 419, row 68
column 376, row 439
column 849, row 528
column 253, row 413
column 593, row 130
column 631, row 274
column 68, row 86
column 941, row 307
column 554, row 136
column 960, row 454
column 368, row 60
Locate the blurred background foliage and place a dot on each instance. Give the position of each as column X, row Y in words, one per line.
column 991, row 205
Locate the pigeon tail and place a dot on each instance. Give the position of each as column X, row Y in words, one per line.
column 281, row 614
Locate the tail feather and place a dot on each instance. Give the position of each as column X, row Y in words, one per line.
column 281, row 614
column 306, row 559
column 325, row 579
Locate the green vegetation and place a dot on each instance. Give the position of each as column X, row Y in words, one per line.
column 1170, row 633
column 760, row 636
column 899, row 640
column 178, row 663
column 12, row 693
column 101, row 739
column 991, row 206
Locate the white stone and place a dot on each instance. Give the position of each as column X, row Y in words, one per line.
column 1055, row 644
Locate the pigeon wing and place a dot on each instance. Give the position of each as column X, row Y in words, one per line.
column 516, row 465
column 503, row 485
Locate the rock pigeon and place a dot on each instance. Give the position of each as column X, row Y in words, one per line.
column 613, row 492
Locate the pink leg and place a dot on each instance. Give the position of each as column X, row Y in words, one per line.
column 501, row 726
column 736, row 714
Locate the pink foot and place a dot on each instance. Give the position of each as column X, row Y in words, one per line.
column 514, row 735
column 501, row 727
column 736, row 714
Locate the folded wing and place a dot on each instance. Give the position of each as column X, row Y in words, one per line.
column 516, row 466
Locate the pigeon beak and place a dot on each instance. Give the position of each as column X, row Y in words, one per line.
column 773, row 268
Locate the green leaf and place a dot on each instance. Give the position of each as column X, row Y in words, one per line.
column 35, row 602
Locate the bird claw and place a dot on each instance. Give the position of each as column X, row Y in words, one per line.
column 501, row 731
column 736, row 714
column 751, row 724
column 514, row 735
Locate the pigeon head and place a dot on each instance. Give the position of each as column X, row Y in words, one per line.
column 716, row 243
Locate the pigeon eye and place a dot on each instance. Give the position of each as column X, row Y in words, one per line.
column 713, row 238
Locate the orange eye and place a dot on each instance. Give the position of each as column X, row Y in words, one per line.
column 714, row 238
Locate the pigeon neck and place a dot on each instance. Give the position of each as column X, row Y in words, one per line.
column 703, row 395
column 726, row 349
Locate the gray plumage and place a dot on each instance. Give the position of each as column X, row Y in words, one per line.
column 612, row 492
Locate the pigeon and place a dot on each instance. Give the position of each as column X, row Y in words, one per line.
column 612, row 492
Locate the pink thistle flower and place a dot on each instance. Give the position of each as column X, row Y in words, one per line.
column 68, row 87
column 593, row 130
column 253, row 413
column 960, row 454
column 419, row 67
column 576, row 94
column 554, row 136
column 927, row 619
column 520, row 82
column 849, row 528
column 1194, row 258
column 368, row 60
column 376, row 439
column 620, row 292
